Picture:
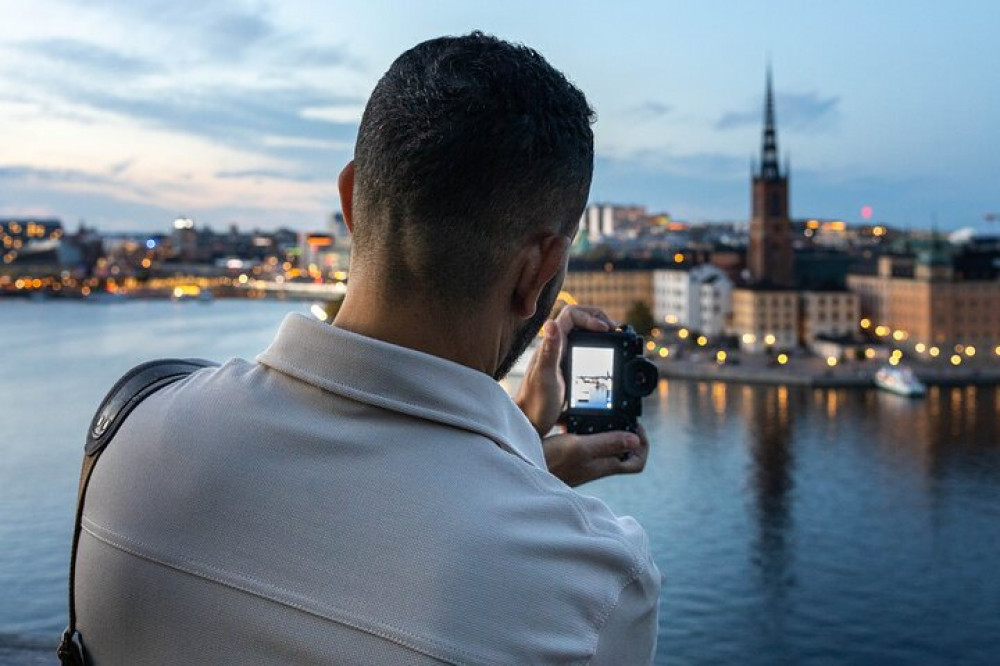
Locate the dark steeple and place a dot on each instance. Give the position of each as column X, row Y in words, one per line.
column 769, row 168
column 769, row 255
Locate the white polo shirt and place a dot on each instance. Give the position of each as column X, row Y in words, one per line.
column 348, row 501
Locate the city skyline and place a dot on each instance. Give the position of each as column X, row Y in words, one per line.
column 128, row 115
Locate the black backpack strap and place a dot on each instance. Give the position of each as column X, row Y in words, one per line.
column 134, row 386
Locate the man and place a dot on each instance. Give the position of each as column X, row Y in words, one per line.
column 366, row 492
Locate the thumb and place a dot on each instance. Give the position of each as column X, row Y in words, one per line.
column 551, row 351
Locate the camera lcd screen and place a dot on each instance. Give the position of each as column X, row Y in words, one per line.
column 592, row 378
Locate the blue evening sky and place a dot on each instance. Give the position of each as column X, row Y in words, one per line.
column 127, row 114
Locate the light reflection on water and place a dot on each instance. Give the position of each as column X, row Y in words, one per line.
column 792, row 525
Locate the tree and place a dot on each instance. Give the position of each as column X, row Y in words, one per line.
column 640, row 317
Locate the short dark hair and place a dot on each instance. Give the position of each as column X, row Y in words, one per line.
column 467, row 145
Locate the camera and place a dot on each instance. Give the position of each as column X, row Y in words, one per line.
column 606, row 379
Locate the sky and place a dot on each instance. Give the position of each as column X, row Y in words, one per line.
column 127, row 114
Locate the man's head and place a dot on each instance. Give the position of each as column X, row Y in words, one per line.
column 469, row 150
column 472, row 167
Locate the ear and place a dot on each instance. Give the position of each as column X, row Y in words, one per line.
column 540, row 261
column 345, row 184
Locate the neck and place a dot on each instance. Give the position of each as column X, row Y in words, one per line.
column 471, row 338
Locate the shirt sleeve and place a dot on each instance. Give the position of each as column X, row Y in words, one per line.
column 629, row 634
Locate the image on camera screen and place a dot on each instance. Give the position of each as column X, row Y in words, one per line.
column 593, row 378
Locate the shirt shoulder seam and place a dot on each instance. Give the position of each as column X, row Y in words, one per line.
column 394, row 404
column 633, row 576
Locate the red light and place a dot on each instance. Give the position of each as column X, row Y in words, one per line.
column 866, row 212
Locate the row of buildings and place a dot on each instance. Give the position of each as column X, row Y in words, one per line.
column 778, row 296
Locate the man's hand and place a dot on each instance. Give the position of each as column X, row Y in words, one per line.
column 577, row 459
column 543, row 389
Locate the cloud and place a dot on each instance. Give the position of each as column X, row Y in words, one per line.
column 316, row 56
column 308, row 144
column 119, row 168
column 349, row 113
column 704, row 165
column 233, row 32
column 269, row 120
column 272, row 174
column 650, row 110
column 794, row 111
column 23, row 172
column 89, row 55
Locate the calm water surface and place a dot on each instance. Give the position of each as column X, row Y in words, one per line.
column 792, row 525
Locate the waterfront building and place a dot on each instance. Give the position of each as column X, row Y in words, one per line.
column 602, row 220
column 830, row 315
column 323, row 254
column 614, row 286
column 766, row 319
column 30, row 241
column 698, row 297
column 936, row 296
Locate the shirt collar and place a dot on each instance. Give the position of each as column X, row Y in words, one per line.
column 403, row 380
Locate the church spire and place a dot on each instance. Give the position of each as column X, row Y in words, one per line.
column 769, row 168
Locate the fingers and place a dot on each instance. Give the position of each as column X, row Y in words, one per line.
column 578, row 459
column 609, row 444
column 585, row 317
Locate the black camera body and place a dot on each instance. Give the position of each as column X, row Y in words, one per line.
column 606, row 379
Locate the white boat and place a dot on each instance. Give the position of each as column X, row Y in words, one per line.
column 899, row 379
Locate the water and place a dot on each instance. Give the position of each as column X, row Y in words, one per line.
column 792, row 525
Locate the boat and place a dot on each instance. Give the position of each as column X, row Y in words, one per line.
column 900, row 380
